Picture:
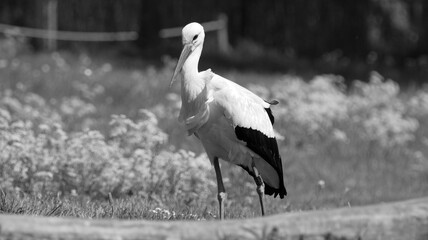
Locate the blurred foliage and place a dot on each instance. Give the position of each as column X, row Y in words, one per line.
column 41, row 157
column 78, row 127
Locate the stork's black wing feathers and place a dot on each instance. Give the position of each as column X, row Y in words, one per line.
column 271, row 117
column 267, row 148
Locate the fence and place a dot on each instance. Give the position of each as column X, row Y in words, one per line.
column 52, row 34
column 220, row 25
column 393, row 221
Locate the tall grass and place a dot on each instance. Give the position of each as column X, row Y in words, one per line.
column 74, row 130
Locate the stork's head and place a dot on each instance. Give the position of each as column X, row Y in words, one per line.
column 193, row 36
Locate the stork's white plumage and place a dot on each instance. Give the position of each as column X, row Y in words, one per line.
column 232, row 123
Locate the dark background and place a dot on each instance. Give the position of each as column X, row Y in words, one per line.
column 392, row 33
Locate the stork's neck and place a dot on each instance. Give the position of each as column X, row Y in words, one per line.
column 190, row 67
column 192, row 84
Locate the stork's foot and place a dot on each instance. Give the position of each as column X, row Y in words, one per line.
column 221, row 198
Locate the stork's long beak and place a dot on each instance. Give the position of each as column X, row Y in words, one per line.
column 187, row 49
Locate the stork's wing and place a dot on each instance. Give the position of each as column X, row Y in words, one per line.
column 243, row 107
column 252, row 120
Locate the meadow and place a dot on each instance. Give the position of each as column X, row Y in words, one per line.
column 95, row 138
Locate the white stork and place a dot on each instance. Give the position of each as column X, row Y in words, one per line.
column 232, row 123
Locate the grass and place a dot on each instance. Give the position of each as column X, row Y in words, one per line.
column 321, row 171
column 83, row 207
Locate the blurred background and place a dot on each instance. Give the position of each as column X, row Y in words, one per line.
column 341, row 36
column 85, row 107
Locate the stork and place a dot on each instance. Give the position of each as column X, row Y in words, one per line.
column 231, row 122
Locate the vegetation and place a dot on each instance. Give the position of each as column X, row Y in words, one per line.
column 85, row 138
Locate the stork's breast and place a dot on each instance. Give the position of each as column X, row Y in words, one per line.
column 219, row 139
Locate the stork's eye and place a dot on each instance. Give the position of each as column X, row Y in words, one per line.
column 195, row 37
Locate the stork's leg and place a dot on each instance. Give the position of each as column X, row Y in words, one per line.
column 260, row 186
column 221, row 192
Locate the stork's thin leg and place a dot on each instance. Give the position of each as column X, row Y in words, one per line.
column 221, row 192
column 260, row 186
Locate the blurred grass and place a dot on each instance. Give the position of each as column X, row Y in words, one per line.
column 319, row 173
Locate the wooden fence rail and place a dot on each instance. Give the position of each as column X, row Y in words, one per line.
column 219, row 25
column 399, row 220
column 52, row 34
column 68, row 35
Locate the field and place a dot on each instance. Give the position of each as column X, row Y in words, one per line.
column 94, row 138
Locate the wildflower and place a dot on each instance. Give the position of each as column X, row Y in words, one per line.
column 390, row 127
column 88, row 72
column 339, row 135
column 44, row 128
column 163, row 213
column 44, row 175
column 418, row 104
column 73, row 193
column 314, row 105
column 74, row 106
column 59, row 60
column 321, row 184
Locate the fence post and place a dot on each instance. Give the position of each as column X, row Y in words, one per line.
column 52, row 24
column 223, row 35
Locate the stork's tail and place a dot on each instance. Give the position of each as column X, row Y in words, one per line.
column 269, row 190
column 281, row 191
